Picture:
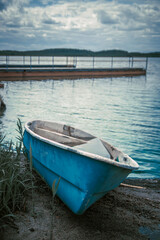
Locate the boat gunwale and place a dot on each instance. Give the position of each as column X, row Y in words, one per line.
column 78, row 151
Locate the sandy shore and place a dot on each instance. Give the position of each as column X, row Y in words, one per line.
column 124, row 213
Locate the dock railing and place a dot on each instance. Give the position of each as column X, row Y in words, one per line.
column 62, row 62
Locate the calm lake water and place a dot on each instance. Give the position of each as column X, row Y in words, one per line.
column 124, row 111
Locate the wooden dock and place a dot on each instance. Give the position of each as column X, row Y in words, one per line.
column 56, row 74
column 14, row 68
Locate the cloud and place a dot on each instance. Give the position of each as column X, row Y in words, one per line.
column 12, row 25
column 83, row 24
column 4, row 4
column 49, row 21
column 41, row 3
column 105, row 18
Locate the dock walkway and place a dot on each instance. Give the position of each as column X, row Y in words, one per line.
column 33, row 68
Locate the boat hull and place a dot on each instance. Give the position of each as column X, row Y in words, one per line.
column 83, row 180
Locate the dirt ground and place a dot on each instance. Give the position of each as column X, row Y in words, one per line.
column 124, row 213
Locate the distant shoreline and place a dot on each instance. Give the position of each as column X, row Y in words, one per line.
column 78, row 52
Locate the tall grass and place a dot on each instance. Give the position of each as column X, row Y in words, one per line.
column 2, row 104
column 15, row 179
column 54, row 191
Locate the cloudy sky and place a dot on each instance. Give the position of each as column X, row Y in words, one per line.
column 132, row 25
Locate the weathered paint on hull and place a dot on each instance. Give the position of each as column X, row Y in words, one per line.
column 83, row 180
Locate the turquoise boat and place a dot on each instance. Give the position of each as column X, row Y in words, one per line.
column 88, row 167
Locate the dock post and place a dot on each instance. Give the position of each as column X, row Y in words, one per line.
column 30, row 62
column 67, row 60
column 93, row 62
column 112, row 63
column 52, row 61
column 7, row 62
column 23, row 60
column 146, row 63
column 75, row 61
column 129, row 62
column 132, row 62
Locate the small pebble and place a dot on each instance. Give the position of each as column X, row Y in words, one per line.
column 32, row 229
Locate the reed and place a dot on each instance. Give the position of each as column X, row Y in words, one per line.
column 15, row 179
column 54, row 191
column 32, row 178
column 2, row 104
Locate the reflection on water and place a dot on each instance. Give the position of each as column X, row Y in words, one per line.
column 124, row 111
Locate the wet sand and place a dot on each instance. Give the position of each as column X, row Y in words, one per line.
column 124, row 213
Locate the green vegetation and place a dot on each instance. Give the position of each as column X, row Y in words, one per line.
column 54, row 191
column 15, row 178
column 2, row 104
column 78, row 52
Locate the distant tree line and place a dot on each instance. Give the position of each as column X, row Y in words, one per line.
column 78, row 52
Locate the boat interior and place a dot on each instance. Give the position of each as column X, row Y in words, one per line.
column 61, row 133
column 74, row 137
